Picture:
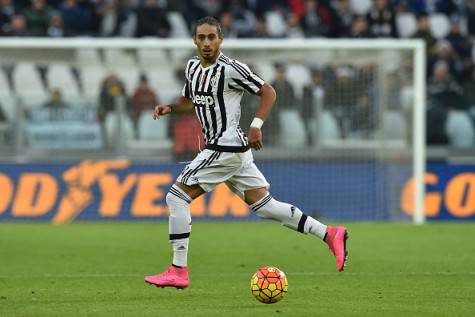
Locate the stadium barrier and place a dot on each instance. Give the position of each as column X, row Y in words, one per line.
column 121, row 190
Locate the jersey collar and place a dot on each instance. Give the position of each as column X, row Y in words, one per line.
column 212, row 65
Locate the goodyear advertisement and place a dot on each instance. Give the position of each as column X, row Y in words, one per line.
column 122, row 190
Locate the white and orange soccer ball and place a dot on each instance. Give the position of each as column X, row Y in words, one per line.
column 269, row 284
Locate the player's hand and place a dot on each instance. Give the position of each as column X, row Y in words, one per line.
column 161, row 110
column 255, row 138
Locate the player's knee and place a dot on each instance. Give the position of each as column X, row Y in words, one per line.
column 173, row 199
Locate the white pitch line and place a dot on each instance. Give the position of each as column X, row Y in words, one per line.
column 118, row 275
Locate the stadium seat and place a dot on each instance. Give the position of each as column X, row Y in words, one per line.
column 88, row 56
column 327, row 128
column 460, row 129
column 111, row 128
column 59, row 76
column 300, row 76
column 292, row 132
column 27, row 79
column 8, row 105
column 4, row 89
column 116, row 58
column 394, row 125
column 439, row 25
column 162, row 80
column 360, row 6
column 179, row 29
column 92, row 77
column 264, row 70
column 149, row 129
column 33, row 100
column 276, row 25
column 152, row 57
column 406, row 24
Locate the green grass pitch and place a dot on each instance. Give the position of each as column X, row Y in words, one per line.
column 97, row 269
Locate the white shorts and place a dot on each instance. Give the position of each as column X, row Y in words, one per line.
column 211, row 168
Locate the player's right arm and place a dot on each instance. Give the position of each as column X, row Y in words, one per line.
column 182, row 104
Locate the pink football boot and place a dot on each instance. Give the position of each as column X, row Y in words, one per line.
column 172, row 277
column 336, row 239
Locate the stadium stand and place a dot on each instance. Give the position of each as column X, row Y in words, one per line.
column 122, row 21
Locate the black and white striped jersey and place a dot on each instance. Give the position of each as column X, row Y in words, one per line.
column 216, row 92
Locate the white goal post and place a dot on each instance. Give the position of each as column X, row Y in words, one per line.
column 343, row 51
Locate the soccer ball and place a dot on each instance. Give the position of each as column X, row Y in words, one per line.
column 269, row 284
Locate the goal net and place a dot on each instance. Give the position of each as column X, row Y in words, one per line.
column 344, row 141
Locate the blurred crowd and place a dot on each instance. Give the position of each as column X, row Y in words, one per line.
column 240, row 18
column 450, row 61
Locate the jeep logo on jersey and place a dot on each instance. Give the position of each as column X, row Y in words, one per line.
column 203, row 99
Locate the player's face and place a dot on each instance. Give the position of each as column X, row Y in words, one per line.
column 208, row 41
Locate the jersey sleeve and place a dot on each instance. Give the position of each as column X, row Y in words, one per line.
column 185, row 92
column 242, row 78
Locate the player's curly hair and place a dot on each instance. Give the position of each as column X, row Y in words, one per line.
column 211, row 21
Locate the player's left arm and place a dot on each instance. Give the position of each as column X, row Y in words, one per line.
column 267, row 98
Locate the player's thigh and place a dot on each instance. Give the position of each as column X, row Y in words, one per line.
column 249, row 183
column 207, row 170
column 194, row 191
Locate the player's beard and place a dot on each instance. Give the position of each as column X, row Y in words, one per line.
column 209, row 55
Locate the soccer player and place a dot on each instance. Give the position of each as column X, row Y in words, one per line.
column 214, row 87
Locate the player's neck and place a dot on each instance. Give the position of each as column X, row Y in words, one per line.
column 208, row 62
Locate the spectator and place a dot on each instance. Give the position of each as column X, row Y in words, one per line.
column 200, row 8
column 56, row 100
column 447, row 7
column 152, row 20
column 243, row 19
column 382, row 20
column 143, row 99
column 7, row 12
column 117, row 19
column 318, row 19
column 443, row 90
column 18, row 26
column 111, row 89
column 227, row 25
column 56, row 27
column 344, row 18
column 423, row 32
column 360, row 28
column 312, row 100
column 470, row 15
column 261, row 28
column 285, row 99
column 418, row 7
column 37, row 18
column 459, row 42
column 341, row 98
column 469, row 94
column 444, row 53
column 77, row 19
column 469, row 89
column 293, row 27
